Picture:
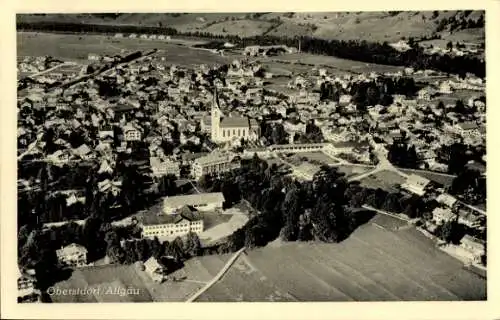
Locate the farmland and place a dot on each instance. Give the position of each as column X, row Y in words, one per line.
column 386, row 180
column 77, row 48
column 337, row 64
column 365, row 267
column 196, row 273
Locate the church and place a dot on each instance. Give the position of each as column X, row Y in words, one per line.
column 231, row 128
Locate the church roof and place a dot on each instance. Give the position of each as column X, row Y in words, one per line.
column 234, row 122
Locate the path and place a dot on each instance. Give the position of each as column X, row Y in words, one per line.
column 367, row 207
column 69, row 63
column 217, row 277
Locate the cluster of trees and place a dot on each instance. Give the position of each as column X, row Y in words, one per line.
column 121, row 244
column 274, row 133
column 313, row 134
column 326, row 209
column 471, row 185
column 403, row 155
column 454, row 23
column 370, row 52
column 371, row 93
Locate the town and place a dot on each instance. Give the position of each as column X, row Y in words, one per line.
column 129, row 159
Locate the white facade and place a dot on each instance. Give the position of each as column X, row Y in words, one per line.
column 201, row 201
column 72, row 255
column 213, row 163
column 172, row 229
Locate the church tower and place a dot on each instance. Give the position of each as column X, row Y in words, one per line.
column 215, row 117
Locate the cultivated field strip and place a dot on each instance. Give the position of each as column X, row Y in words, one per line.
column 374, row 264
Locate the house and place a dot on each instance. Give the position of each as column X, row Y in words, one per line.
column 345, row 99
column 73, row 255
column 185, row 220
column 83, row 152
column 416, row 184
column 131, row 132
column 163, row 168
column 446, row 199
column 25, row 283
column 474, row 248
column 154, row 269
column 214, row 163
column 201, row 201
column 440, row 215
column 59, row 156
column 424, row 94
column 469, row 128
column 469, row 219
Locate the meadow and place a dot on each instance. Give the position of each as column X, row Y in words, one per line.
column 72, row 47
column 368, row 266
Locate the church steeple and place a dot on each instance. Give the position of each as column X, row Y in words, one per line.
column 215, row 116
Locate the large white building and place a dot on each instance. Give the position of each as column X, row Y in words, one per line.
column 213, row 163
column 201, row 201
column 160, row 167
column 227, row 129
column 180, row 223
column 73, row 255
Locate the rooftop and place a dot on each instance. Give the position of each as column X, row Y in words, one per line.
column 185, row 213
column 193, row 199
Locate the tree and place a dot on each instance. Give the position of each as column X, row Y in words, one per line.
column 192, row 245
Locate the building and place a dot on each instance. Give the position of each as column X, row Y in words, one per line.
column 201, row 201
column 214, row 163
column 447, row 200
column 440, row 215
column 469, row 219
column 469, row 128
column 226, row 129
column 154, row 269
column 131, row 132
column 297, row 147
column 474, row 248
column 416, row 184
column 25, row 283
column 73, row 255
column 181, row 222
column 163, row 168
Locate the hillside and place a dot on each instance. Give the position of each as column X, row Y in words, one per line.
column 368, row 266
column 372, row 26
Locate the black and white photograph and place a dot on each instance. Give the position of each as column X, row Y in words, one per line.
column 335, row 156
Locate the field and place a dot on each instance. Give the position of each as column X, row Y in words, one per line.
column 442, row 179
column 338, row 64
column 350, row 171
column 196, row 272
column 77, row 47
column 316, row 157
column 242, row 28
column 386, row 180
column 368, row 266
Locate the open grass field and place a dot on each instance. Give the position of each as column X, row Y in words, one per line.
column 350, row 171
column 318, row 157
column 223, row 229
column 368, row 266
column 338, row 64
column 112, row 277
column 386, row 180
column 77, row 47
column 442, row 179
column 242, row 28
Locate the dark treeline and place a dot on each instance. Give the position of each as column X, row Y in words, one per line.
column 371, row 52
column 327, row 209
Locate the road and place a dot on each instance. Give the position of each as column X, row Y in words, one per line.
column 69, row 63
column 217, row 277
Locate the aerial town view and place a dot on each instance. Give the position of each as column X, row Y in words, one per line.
column 251, row 157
